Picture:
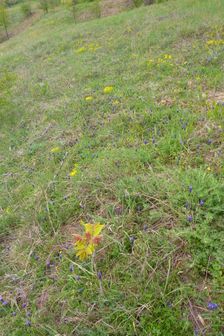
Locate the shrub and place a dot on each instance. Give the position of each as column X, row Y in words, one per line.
column 26, row 9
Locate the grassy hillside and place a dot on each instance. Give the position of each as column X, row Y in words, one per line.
column 149, row 158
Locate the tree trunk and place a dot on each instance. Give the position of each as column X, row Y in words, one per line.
column 5, row 26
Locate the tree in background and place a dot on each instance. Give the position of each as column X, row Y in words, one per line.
column 4, row 18
column 71, row 4
column 44, row 5
column 26, row 9
column 74, row 3
column 54, row 3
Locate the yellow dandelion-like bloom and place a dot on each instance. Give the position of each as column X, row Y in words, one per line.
column 108, row 89
column 167, row 56
column 56, row 150
column 89, row 98
column 73, row 172
column 209, row 169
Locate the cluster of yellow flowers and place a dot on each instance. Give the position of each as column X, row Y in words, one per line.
column 214, row 42
column 89, row 47
column 86, row 244
column 74, row 171
column 165, row 59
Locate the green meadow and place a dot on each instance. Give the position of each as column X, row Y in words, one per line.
column 119, row 121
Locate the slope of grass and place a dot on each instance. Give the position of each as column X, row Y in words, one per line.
column 150, row 167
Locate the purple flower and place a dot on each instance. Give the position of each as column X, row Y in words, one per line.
column 190, row 189
column 48, row 263
column 14, row 313
column 139, row 207
column 209, row 141
column 212, row 306
column 196, row 332
column 1, row 299
column 24, row 305
column 100, row 275
column 169, row 305
column 67, row 246
column 184, row 125
column 5, row 303
column 201, row 202
column 132, row 240
column 28, row 314
column 146, row 142
column 28, row 323
column 190, row 218
column 71, row 268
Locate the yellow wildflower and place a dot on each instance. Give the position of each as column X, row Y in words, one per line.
column 209, row 169
column 83, row 251
column 89, row 98
column 108, row 89
column 73, row 172
column 160, row 60
column 167, row 56
column 85, row 245
column 93, row 229
column 215, row 42
column 55, row 150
